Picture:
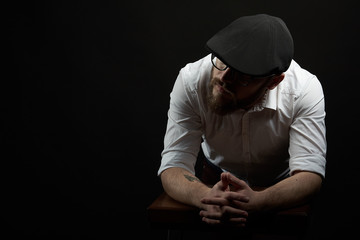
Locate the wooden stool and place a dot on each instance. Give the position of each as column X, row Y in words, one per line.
column 176, row 217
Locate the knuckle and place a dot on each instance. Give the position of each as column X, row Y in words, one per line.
column 225, row 210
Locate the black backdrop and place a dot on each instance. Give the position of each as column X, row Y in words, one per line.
column 85, row 96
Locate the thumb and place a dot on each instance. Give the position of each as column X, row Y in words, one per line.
column 236, row 182
column 223, row 184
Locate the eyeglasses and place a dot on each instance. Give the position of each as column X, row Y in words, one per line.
column 243, row 79
column 217, row 63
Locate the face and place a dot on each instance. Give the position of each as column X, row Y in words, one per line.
column 231, row 90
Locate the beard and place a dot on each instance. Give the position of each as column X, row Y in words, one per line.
column 227, row 102
column 220, row 104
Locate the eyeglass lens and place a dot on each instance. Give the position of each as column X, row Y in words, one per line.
column 218, row 63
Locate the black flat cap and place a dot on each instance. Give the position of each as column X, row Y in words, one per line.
column 259, row 45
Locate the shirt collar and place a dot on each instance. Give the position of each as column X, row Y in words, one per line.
column 271, row 99
column 268, row 101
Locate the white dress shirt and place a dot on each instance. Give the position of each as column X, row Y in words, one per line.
column 282, row 134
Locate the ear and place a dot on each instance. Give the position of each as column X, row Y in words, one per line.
column 275, row 81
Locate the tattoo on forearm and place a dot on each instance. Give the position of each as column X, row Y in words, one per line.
column 191, row 178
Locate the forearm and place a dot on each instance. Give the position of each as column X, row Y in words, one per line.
column 295, row 190
column 183, row 186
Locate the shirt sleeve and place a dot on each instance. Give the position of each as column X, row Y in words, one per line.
column 307, row 147
column 183, row 133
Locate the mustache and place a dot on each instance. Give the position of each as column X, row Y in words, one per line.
column 226, row 86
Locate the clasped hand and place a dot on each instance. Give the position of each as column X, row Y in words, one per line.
column 227, row 202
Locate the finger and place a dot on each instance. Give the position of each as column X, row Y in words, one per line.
column 236, row 181
column 210, row 215
column 211, row 221
column 215, row 201
column 238, row 204
column 225, row 180
column 235, row 196
column 234, row 200
column 223, row 184
column 223, row 213
column 229, row 212
column 237, row 222
column 225, row 217
column 225, row 177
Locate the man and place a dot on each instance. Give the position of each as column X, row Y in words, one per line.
column 259, row 118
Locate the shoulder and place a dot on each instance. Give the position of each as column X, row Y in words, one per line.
column 301, row 92
column 299, row 82
column 189, row 91
column 195, row 73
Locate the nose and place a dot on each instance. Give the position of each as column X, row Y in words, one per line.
column 227, row 76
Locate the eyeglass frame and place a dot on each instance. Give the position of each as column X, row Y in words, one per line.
column 243, row 82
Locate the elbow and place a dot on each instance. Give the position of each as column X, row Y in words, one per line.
column 167, row 178
column 311, row 182
column 316, row 182
column 164, row 178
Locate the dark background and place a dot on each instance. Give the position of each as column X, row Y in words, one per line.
column 84, row 99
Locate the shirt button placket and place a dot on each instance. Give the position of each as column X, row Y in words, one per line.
column 245, row 136
column 246, row 143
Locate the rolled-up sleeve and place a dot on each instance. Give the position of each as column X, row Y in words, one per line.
column 183, row 133
column 307, row 147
